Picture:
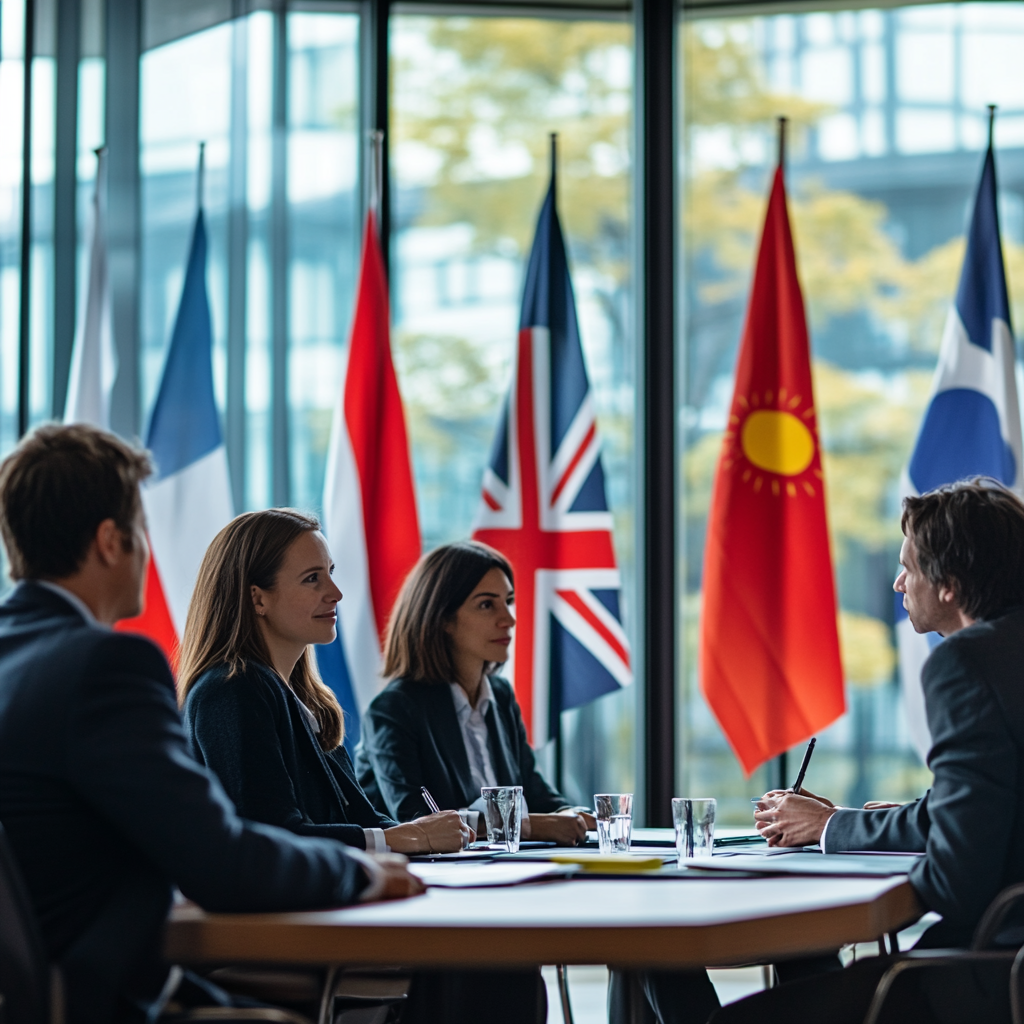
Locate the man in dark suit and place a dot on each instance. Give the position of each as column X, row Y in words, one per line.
column 962, row 576
column 103, row 806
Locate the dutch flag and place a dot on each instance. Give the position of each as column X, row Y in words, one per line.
column 370, row 517
column 972, row 424
column 188, row 501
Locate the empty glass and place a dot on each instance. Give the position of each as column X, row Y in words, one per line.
column 694, row 818
column 614, row 814
column 503, row 812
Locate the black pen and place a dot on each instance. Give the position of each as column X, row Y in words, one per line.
column 803, row 765
column 432, row 803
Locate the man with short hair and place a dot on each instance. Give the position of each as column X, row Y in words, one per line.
column 103, row 806
column 962, row 576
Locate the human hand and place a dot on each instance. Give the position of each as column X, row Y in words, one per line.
column 565, row 829
column 442, row 832
column 778, row 794
column 791, row 819
column 589, row 820
column 879, row 805
column 399, row 882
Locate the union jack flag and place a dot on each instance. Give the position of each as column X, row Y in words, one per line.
column 544, row 505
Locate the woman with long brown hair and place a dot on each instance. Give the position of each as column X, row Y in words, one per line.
column 255, row 708
column 447, row 721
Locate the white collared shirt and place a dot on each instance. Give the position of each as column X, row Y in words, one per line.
column 473, row 725
column 74, row 600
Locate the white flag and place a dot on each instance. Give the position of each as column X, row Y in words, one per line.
column 94, row 359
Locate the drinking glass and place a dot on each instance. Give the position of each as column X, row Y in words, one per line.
column 694, row 819
column 503, row 812
column 614, row 814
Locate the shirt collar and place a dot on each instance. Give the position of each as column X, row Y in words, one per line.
column 462, row 706
column 72, row 599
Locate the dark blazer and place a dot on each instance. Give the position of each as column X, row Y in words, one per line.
column 106, row 810
column 411, row 738
column 252, row 732
column 970, row 824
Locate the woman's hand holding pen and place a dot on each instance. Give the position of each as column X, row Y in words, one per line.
column 434, row 833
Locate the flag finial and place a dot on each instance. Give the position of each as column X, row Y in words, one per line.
column 200, row 175
column 376, row 171
column 991, row 123
column 782, row 142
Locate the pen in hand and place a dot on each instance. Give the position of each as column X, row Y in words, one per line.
column 431, row 802
column 803, row 766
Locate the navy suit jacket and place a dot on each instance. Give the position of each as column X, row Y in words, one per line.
column 970, row 824
column 411, row 738
column 251, row 730
column 107, row 811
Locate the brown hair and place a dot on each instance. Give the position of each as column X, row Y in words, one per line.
column 56, row 488
column 417, row 647
column 222, row 626
column 969, row 536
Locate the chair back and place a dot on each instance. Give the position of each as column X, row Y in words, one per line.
column 24, row 969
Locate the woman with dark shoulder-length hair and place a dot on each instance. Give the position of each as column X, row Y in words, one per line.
column 446, row 721
column 255, row 708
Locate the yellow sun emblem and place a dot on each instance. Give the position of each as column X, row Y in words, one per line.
column 771, row 440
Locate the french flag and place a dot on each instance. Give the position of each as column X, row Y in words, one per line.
column 972, row 424
column 369, row 504
column 188, row 501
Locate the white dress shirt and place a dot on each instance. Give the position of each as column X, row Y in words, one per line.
column 74, row 600
column 473, row 725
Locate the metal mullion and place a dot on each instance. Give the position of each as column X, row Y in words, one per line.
column 25, row 305
column 280, row 458
column 123, row 26
column 238, row 247
column 65, row 199
column 656, row 227
column 374, row 110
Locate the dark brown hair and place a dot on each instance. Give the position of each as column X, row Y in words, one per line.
column 417, row 647
column 56, row 488
column 222, row 626
column 969, row 536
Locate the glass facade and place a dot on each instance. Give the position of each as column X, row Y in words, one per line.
column 889, row 122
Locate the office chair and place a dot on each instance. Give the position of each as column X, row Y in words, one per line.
column 979, row 953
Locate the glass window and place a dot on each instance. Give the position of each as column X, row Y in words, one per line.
column 473, row 100
column 881, row 174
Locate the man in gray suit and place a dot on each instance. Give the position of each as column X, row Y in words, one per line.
column 962, row 576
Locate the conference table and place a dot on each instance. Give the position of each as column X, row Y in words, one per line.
column 668, row 919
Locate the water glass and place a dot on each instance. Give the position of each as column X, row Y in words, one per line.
column 694, row 819
column 503, row 813
column 614, row 814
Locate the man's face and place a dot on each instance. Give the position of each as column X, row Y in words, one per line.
column 134, row 566
column 931, row 607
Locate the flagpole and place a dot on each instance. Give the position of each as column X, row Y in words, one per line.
column 780, row 766
column 376, row 175
column 991, row 124
column 200, row 175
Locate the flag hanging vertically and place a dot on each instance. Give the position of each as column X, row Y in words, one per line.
column 93, row 358
column 769, row 645
column 544, row 505
column 189, row 499
column 370, row 517
column 972, row 424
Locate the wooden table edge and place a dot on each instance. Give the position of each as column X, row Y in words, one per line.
column 195, row 937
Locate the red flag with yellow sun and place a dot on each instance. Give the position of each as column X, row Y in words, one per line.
column 769, row 648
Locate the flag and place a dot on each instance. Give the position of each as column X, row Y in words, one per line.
column 972, row 424
column 189, row 500
column 93, row 358
column 370, row 517
column 769, row 645
column 545, row 508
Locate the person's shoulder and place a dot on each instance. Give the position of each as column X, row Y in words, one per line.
column 223, row 684
column 1005, row 629
column 502, row 690
column 406, row 695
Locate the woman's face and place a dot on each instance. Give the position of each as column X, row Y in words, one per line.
column 482, row 627
column 302, row 607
